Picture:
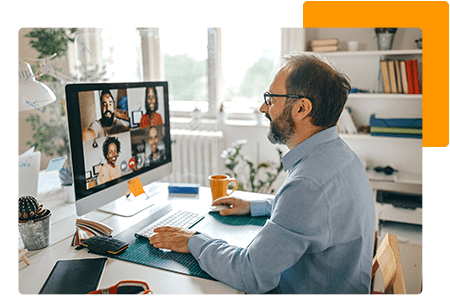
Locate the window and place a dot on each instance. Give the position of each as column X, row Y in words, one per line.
column 205, row 67
column 250, row 58
column 109, row 54
column 184, row 65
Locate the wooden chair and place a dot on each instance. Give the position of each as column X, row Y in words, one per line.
column 388, row 259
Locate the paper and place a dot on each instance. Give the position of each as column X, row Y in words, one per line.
column 56, row 164
column 135, row 186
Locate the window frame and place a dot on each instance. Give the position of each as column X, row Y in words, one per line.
column 292, row 39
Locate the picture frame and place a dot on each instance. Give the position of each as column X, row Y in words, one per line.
column 136, row 116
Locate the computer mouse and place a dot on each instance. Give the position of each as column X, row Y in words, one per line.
column 217, row 208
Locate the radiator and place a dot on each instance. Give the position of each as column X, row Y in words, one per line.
column 195, row 155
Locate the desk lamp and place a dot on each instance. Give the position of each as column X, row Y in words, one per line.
column 32, row 95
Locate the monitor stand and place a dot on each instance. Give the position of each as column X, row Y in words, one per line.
column 127, row 206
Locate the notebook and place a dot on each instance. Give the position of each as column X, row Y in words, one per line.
column 76, row 276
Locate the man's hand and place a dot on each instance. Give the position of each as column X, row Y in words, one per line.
column 238, row 206
column 172, row 238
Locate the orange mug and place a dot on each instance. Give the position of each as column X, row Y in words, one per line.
column 219, row 185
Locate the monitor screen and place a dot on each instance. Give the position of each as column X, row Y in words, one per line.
column 118, row 131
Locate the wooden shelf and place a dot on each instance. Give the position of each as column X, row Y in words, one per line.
column 374, row 52
column 384, row 96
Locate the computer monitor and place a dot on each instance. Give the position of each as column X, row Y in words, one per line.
column 118, row 132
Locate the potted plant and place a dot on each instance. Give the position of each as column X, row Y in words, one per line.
column 222, row 115
column 34, row 223
column 251, row 177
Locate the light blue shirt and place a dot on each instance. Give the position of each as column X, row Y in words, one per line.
column 319, row 238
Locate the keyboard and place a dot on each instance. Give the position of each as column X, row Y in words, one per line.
column 179, row 218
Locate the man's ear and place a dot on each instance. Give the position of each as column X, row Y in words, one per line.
column 301, row 108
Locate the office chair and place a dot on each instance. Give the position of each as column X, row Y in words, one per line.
column 388, row 259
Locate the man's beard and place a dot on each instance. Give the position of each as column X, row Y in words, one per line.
column 107, row 121
column 281, row 129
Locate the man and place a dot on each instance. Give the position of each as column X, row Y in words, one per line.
column 108, row 124
column 110, row 171
column 156, row 154
column 319, row 238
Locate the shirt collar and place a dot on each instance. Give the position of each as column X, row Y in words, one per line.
column 296, row 154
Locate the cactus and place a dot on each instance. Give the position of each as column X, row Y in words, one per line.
column 30, row 209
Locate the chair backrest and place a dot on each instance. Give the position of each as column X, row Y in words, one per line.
column 388, row 259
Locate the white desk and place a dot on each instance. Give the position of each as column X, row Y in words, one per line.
column 32, row 277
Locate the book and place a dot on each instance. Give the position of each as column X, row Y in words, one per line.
column 404, row 122
column 404, row 78
column 398, row 76
column 409, row 76
column 327, row 48
column 415, row 71
column 88, row 228
column 402, row 130
column 392, row 77
column 75, row 276
column 324, row 42
column 385, row 76
column 401, row 135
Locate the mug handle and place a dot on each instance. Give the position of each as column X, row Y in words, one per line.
column 235, row 188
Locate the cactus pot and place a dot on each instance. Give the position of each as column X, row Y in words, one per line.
column 35, row 233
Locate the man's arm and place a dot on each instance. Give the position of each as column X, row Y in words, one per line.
column 298, row 224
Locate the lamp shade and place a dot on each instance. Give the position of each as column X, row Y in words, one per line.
column 32, row 93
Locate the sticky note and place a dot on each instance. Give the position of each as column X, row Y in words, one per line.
column 135, row 186
column 56, row 164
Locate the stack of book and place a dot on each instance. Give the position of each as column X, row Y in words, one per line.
column 324, row 45
column 400, row 76
column 88, row 228
column 396, row 126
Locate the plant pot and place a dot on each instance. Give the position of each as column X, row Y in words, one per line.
column 35, row 233
column 385, row 40
column 69, row 196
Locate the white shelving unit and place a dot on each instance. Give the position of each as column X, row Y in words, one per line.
column 363, row 69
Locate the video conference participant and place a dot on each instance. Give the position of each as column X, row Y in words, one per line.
column 156, row 155
column 151, row 117
column 108, row 124
column 110, row 171
column 320, row 235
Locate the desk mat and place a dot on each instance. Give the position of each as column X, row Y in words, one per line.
column 141, row 252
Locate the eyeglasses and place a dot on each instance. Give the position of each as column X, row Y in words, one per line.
column 268, row 97
column 125, row 287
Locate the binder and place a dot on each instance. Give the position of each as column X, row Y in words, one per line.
column 77, row 276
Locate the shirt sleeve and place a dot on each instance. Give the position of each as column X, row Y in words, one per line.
column 298, row 224
column 260, row 208
column 96, row 127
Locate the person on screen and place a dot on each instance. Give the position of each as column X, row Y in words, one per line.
column 151, row 117
column 110, row 171
column 320, row 233
column 157, row 154
column 108, row 124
